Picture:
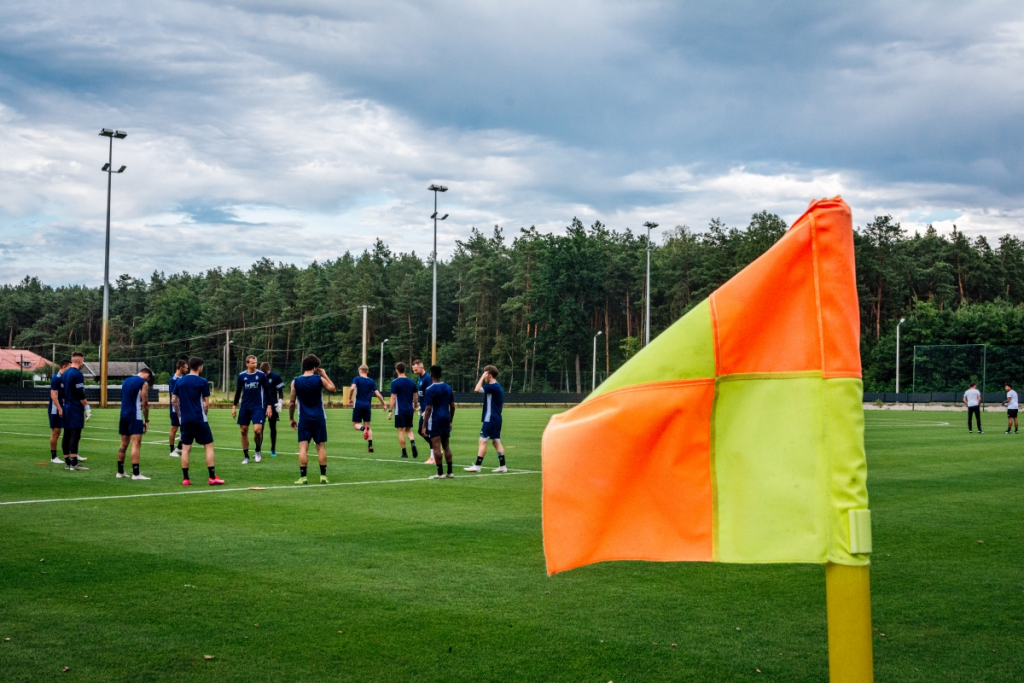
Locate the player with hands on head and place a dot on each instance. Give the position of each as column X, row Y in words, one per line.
column 363, row 391
column 494, row 399
column 307, row 395
column 56, row 411
column 402, row 405
column 250, row 388
column 438, row 416
column 134, row 421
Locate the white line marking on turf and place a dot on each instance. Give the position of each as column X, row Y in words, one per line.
column 246, row 488
column 885, row 423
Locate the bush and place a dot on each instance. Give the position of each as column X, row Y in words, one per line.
column 13, row 378
column 163, row 378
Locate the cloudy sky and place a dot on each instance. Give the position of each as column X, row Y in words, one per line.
column 300, row 130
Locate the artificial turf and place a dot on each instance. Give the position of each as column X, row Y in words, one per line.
column 443, row 580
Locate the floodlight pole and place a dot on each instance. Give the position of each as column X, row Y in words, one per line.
column 104, row 351
column 433, row 316
column 902, row 320
column 380, row 385
column 647, row 315
column 593, row 372
column 365, row 308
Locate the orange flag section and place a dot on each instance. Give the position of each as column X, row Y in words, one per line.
column 633, row 480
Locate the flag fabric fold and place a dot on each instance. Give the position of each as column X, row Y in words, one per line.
column 737, row 434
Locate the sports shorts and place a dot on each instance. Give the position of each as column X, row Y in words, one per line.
column 439, row 426
column 361, row 414
column 196, row 431
column 254, row 415
column 56, row 421
column 404, row 421
column 174, row 419
column 131, row 425
column 312, row 430
column 74, row 416
column 491, row 430
column 1011, row 412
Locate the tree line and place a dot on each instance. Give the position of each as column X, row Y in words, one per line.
column 530, row 304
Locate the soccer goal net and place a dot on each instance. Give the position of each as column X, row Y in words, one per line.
column 953, row 367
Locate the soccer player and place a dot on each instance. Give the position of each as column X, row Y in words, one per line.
column 56, row 411
column 422, row 383
column 274, row 390
column 250, row 387
column 363, row 391
column 972, row 397
column 307, row 393
column 180, row 370
column 494, row 398
column 191, row 400
column 76, row 412
column 1011, row 409
column 134, row 421
column 403, row 407
column 438, row 416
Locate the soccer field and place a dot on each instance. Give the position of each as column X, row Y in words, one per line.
column 385, row 575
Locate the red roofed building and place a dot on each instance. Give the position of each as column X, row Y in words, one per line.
column 17, row 359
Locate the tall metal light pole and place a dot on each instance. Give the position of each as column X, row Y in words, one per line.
column 647, row 315
column 433, row 316
column 104, row 353
column 902, row 320
column 380, row 385
column 593, row 375
column 365, row 308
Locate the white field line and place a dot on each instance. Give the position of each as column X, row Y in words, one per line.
column 267, row 488
column 882, row 423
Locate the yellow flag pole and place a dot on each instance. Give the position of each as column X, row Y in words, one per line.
column 848, row 595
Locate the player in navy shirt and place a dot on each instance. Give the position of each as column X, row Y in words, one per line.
column 422, row 382
column 180, row 370
column 191, row 400
column 307, row 395
column 251, row 388
column 274, row 395
column 363, row 391
column 494, row 398
column 403, row 407
column 56, row 410
column 134, row 421
column 438, row 416
column 76, row 412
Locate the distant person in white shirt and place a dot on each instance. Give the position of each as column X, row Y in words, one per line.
column 972, row 397
column 1011, row 409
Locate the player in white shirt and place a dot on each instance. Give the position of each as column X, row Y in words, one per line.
column 1011, row 409
column 972, row 397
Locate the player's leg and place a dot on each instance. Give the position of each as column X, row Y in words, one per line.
column 245, row 441
column 125, row 439
column 65, row 448
column 258, row 439
column 447, row 454
column 303, row 462
column 430, row 443
column 1014, row 424
column 210, row 464
column 186, row 450
column 970, row 419
column 273, row 434
column 436, row 456
column 401, row 438
column 979, row 419
column 54, row 438
column 76, row 435
column 136, row 456
column 172, row 434
column 411, row 438
column 501, row 455
column 481, row 451
column 321, row 457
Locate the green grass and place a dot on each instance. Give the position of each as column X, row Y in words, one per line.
column 445, row 581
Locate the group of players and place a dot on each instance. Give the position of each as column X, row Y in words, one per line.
column 258, row 400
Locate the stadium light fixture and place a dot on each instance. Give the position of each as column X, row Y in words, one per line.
column 593, row 372
column 902, row 320
column 433, row 315
column 647, row 293
column 380, row 385
column 108, row 168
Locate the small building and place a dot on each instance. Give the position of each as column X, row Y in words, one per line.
column 117, row 370
column 18, row 359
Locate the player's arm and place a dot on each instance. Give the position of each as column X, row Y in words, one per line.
column 383, row 403
column 451, row 409
column 206, row 404
column 326, row 381
column 53, row 397
column 176, row 406
column 353, row 388
column 426, row 414
column 480, row 384
column 145, row 407
column 291, row 407
column 391, row 403
column 238, row 395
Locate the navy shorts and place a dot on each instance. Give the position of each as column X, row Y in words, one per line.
column 491, row 430
column 131, row 425
column 196, row 431
column 439, row 426
column 56, row 421
column 174, row 419
column 403, row 421
column 312, row 430
column 74, row 416
column 254, row 415
column 361, row 414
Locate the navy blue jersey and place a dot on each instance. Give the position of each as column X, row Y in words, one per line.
column 403, row 389
column 310, row 397
column 170, row 386
column 274, row 388
column 252, row 385
column 74, row 388
column 421, row 388
column 365, row 387
column 438, row 396
column 191, row 390
column 494, row 399
column 131, row 397
column 57, row 384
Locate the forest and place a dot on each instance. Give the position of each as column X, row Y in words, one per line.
column 530, row 304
